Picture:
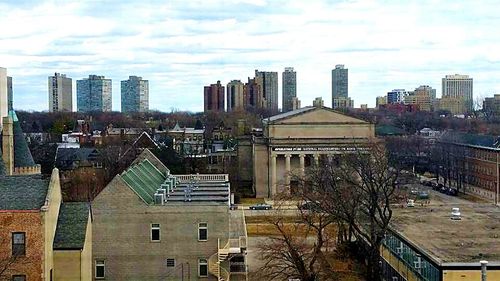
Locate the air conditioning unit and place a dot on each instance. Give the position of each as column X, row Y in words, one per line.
column 159, row 199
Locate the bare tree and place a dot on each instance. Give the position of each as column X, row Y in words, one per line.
column 299, row 248
column 8, row 261
column 358, row 192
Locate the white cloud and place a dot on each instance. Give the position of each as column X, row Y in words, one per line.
column 183, row 45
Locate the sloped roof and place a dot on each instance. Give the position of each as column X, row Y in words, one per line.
column 22, row 154
column 23, row 192
column 71, row 226
column 144, row 179
column 75, row 154
column 289, row 113
column 313, row 114
column 471, row 139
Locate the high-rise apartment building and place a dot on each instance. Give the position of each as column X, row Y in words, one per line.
column 269, row 88
column 135, row 94
column 340, row 83
column 60, row 93
column 235, row 92
column 214, row 97
column 10, row 94
column 396, row 96
column 459, row 86
column 94, row 94
column 4, row 105
column 253, row 97
column 343, row 103
column 423, row 97
column 289, row 88
column 381, row 100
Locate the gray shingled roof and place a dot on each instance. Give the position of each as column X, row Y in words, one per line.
column 22, row 154
column 289, row 113
column 71, row 226
column 23, row 192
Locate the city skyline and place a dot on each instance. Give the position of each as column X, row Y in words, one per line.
column 172, row 47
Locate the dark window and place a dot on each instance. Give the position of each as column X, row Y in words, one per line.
column 99, row 269
column 202, row 231
column 170, row 262
column 155, row 232
column 19, row 278
column 18, row 243
column 202, row 268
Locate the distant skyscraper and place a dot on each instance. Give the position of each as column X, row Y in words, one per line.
column 396, row 96
column 235, row 92
column 60, row 93
column 459, row 86
column 289, row 87
column 10, row 94
column 340, row 82
column 135, row 94
column 381, row 100
column 254, row 97
column 4, row 105
column 269, row 88
column 94, row 94
column 214, row 97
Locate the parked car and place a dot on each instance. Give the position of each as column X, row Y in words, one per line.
column 410, row 203
column 423, row 195
column 261, row 206
column 310, row 206
column 452, row 191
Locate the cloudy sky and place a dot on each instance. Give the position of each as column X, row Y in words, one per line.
column 180, row 46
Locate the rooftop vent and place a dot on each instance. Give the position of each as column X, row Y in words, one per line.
column 159, row 199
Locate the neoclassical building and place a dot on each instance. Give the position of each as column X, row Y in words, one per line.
column 292, row 141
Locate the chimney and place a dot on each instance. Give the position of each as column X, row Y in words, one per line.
column 8, row 145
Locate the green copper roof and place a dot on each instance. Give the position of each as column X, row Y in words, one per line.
column 23, row 192
column 71, row 226
column 144, row 179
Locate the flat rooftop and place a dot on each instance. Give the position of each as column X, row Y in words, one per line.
column 475, row 237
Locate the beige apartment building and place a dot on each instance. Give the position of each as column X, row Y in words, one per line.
column 151, row 225
column 292, row 141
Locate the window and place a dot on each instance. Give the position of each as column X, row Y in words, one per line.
column 18, row 243
column 99, row 269
column 202, row 268
column 19, row 278
column 202, row 231
column 155, row 232
column 170, row 262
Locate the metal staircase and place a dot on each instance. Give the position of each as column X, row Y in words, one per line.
column 223, row 254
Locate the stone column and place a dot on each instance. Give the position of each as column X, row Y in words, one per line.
column 302, row 165
column 273, row 174
column 287, row 170
column 316, row 159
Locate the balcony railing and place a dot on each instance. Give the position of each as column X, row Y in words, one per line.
column 202, row 178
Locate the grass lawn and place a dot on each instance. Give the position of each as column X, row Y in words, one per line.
column 251, row 201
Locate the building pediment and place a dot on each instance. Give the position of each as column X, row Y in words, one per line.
column 314, row 115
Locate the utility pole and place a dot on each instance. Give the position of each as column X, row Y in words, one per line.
column 484, row 264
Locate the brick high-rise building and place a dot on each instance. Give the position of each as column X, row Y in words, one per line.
column 289, row 88
column 269, row 88
column 135, row 94
column 94, row 94
column 253, row 94
column 60, row 93
column 235, row 92
column 213, row 97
